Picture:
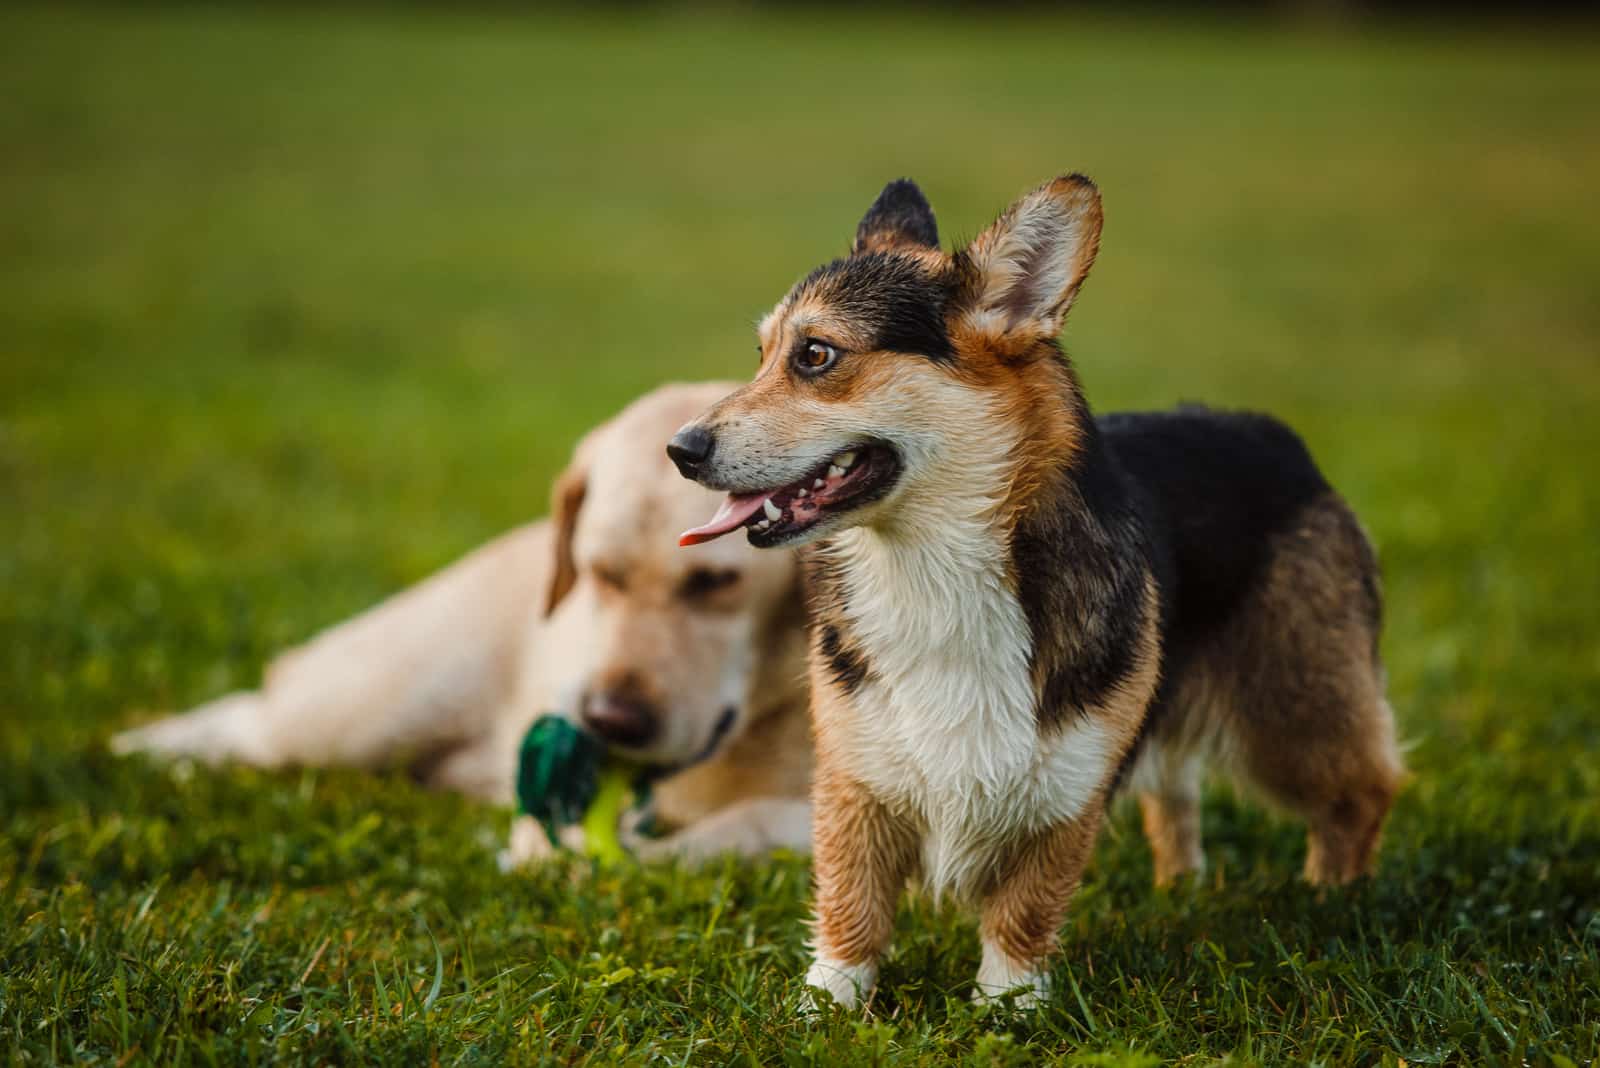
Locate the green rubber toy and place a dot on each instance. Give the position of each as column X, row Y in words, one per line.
column 564, row 776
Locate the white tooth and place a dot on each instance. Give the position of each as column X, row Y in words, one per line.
column 818, row 484
column 845, row 459
column 802, row 492
column 762, row 526
column 774, row 513
column 834, row 471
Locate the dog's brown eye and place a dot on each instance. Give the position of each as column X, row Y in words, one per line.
column 706, row 580
column 815, row 358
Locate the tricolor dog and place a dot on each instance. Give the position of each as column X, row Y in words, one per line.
column 1017, row 607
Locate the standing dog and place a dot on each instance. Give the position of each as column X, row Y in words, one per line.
column 1019, row 607
column 693, row 664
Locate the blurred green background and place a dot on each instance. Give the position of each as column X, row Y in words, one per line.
column 298, row 304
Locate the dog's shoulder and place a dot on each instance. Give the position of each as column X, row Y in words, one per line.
column 1217, row 488
column 1083, row 561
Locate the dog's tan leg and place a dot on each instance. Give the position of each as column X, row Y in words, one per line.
column 864, row 855
column 1172, row 826
column 1340, row 777
column 1022, row 916
column 1168, row 777
column 1306, row 719
column 1346, row 816
column 1343, row 839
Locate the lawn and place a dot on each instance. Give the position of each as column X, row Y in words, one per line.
column 297, row 305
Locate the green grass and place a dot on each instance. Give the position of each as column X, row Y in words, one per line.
column 297, row 306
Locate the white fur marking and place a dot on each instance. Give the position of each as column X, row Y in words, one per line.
column 999, row 976
column 848, row 983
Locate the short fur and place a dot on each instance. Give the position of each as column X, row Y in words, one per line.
column 1043, row 606
column 444, row 677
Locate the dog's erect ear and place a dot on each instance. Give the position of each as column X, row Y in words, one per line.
column 566, row 499
column 899, row 219
column 1028, row 266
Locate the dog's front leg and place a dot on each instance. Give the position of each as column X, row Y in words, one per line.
column 1022, row 915
column 749, row 828
column 864, row 854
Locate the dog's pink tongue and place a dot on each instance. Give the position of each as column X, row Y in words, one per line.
column 734, row 511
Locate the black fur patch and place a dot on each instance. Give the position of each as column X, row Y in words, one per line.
column 1215, row 488
column 892, row 296
column 826, row 604
column 1218, row 487
column 1195, row 496
column 849, row 667
column 900, row 214
column 1080, row 557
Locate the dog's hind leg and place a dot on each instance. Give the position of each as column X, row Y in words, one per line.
column 1312, row 728
column 1342, row 784
column 1345, row 817
column 1170, row 809
column 1169, row 772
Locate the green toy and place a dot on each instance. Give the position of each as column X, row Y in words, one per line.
column 564, row 776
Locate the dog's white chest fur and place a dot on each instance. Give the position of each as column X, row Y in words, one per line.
column 944, row 728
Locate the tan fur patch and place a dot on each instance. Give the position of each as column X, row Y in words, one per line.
column 1172, row 827
column 1022, row 916
column 1015, row 376
column 566, row 498
column 1125, row 708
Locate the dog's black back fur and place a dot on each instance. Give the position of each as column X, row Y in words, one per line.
column 1215, row 487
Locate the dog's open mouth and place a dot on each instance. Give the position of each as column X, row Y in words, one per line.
column 850, row 479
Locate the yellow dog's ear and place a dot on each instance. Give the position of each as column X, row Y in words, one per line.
column 566, row 500
column 900, row 219
column 1025, row 269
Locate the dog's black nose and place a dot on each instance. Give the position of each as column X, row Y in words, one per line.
column 689, row 448
column 621, row 718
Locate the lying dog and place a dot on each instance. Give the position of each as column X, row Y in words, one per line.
column 695, row 664
column 1019, row 607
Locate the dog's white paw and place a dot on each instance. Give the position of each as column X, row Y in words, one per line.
column 228, row 728
column 1002, row 980
column 847, row 984
column 1022, row 998
column 527, row 846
